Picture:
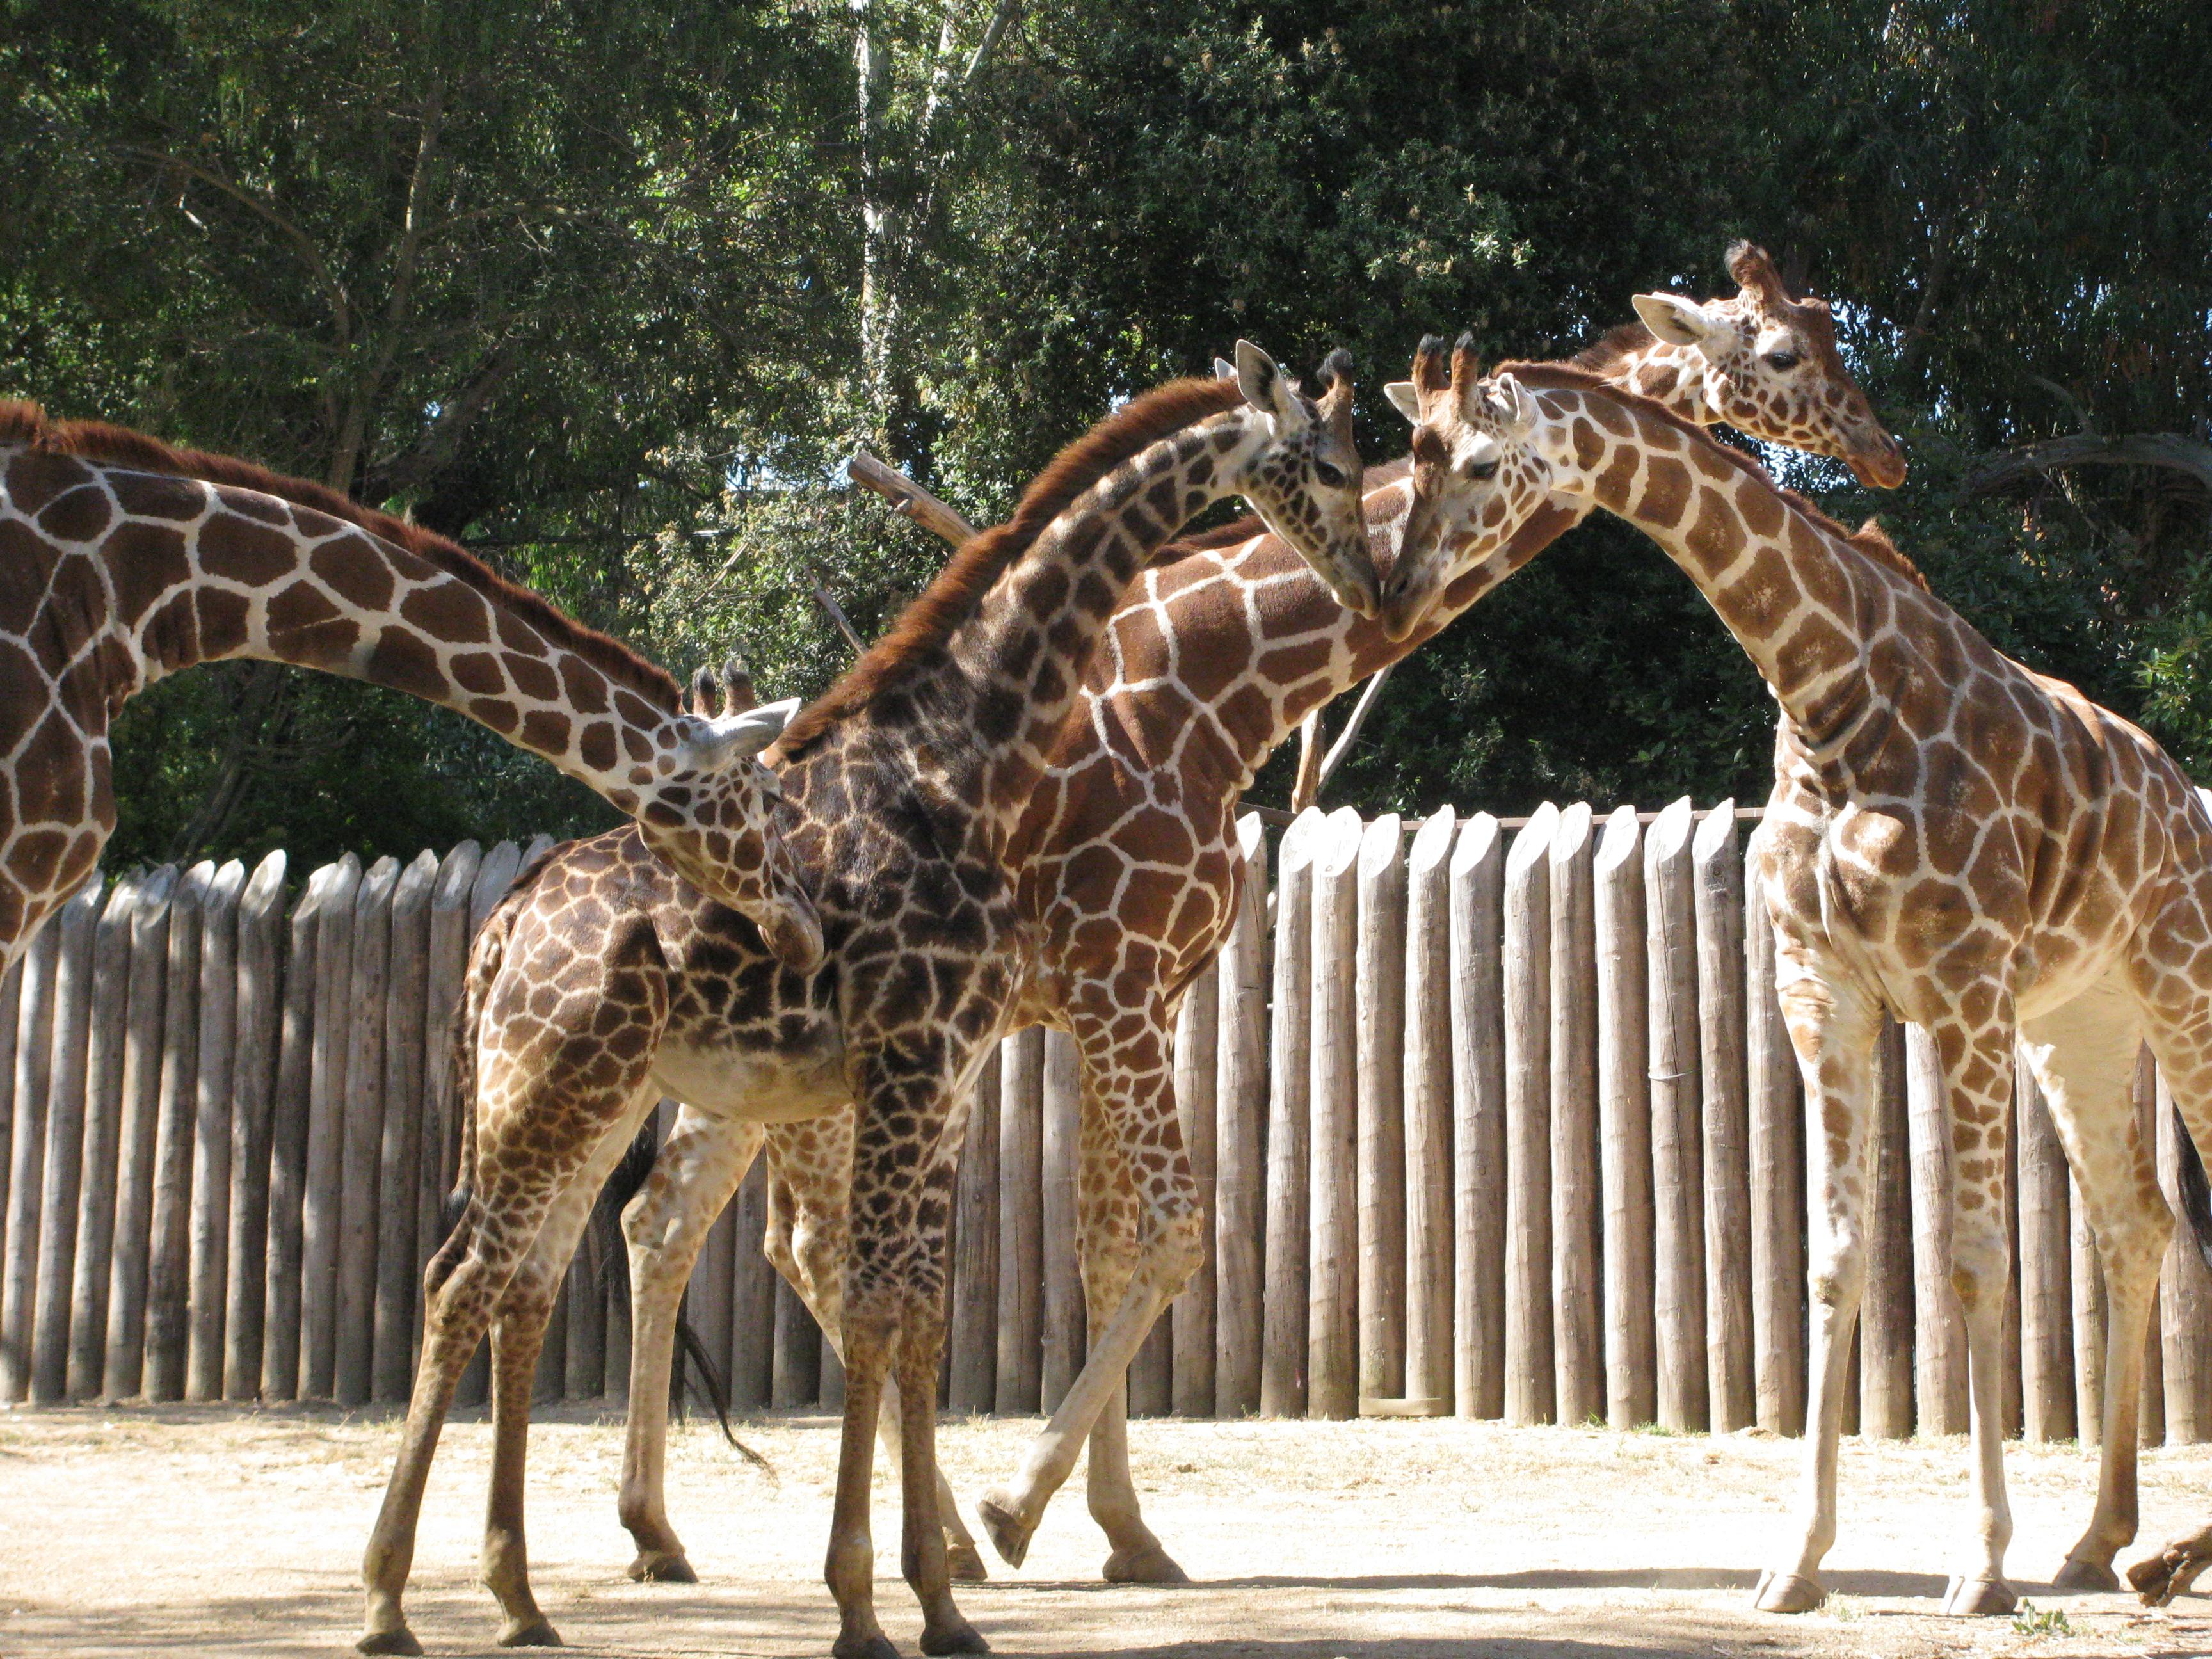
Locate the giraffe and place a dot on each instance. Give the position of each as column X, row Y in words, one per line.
column 123, row 560
column 1129, row 870
column 1950, row 837
column 604, row 981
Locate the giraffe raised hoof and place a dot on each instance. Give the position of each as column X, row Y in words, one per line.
column 1010, row 1533
column 2085, row 1578
column 1975, row 1598
column 1787, row 1592
column 2157, row 1579
column 1147, row 1563
column 965, row 1561
column 536, row 1633
column 662, row 1567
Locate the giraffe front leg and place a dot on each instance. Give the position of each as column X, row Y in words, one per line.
column 1977, row 1076
column 871, row 1328
column 700, row 1166
column 1833, row 1025
column 923, row 1557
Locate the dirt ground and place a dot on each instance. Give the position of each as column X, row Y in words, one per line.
column 210, row 1531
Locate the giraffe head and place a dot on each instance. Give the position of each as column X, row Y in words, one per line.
column 711, row 814
column 1303, row 481
column 1477, row 476
column 1772, row 368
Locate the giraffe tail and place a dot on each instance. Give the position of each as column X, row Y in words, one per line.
column 2195, row 1193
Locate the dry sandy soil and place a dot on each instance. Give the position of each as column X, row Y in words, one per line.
column 206, row 1531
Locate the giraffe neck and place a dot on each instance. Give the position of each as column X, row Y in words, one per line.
column 169, row 571
column 1017, row 666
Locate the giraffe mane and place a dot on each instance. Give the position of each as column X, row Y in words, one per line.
column 1869, row 540
column 926, row 625
column 1613, row 346
column 1250, row 526
column 28, row 425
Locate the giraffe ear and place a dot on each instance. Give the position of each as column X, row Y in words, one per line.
column 1675, row 320
column 733, row 738
column 1224, row 369
column 1264, row 387
column 1519, row 408
column 1405, row 400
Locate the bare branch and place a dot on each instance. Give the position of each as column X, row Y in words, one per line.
column 836, row 612
column 1305, row 787
column 2008, row 467
column 1360, row 711
column 909, row 499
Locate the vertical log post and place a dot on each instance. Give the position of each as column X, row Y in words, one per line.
column 1577, row 1200
column 1331, row 1271
column 2151, row 1395
column 11, row 1000
column 1021, row 1221
column 287, row 1146
column 975, row 1336
column 1063, row 1329
column 19, row 1246
column 1939, row 1328
column 1477, row 901
column 1197, row 1047
column 399, row 1152
column 1529, row 1394
column 444, row 967
column 797, row 1380
column 62, row 1178
column 361, row 1202
column 255, row 1043
column 1379, row 1062
column 123, row 1365
column 1775, row 1104
column 1241, row 1118
column 2046, row 1296
column 1625, row 1123
column 1885, row 1324
column 752, row 1295
column 322, row 1209
column 1290, row 1096
column 1718, row 857
column 103, row 1130
column 1428, row 1094
column 168, row 1279
column 2184, row 1293
column 496, row 874
column 1670, row 965
column 216, row 1092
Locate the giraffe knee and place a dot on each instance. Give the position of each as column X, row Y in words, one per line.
column 1840, row 1279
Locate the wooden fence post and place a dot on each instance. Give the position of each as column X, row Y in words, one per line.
column 1290, row 1097
column 103, row 1131
column 1379, row 1062
column 1578, row 1202
column 363, row 1137
column 207, row 1291
column 19, row 1254
column 1021, row 1221
column 1718, row 857
column 1192, row 1314
column 256, row 1039
column 1331, row 1271
column 288, row 1143
column 1529, row 1393
column 752, row 1295
column 1677, row 1119
column 1939, row 1330
column 400, row 1147
column 797, row 1379
column 168, row 1279
column 974, row 1337
column 1885, row 1323
column 1428, row 1095
column 496, row 874
column 2186, row 1303
column 2151, row 1391
column 1777, row 1110
column 1240, row 1133
column 322, row 1208
column 61, row 1176
column 11, row 1000
column 1624, row 1122
column 1477, row 889
column 2047, row 1313
column 443, row 969
column 1063, row 1313
column 136, row 1145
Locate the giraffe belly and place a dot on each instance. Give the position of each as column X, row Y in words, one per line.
column 754, row 1087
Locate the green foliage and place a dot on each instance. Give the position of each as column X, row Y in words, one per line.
column 610, row 291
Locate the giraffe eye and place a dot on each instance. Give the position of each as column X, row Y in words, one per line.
column 1481, row 471
column 1782, row 361
column 1331, row 475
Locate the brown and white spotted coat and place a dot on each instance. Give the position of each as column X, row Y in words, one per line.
column 1952, row 838
column 123, row 561
column 1129, row 865
column 604, row 982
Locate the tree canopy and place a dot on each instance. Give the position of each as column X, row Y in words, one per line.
column 609, row 291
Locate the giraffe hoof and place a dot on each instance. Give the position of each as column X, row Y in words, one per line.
column 401, row 1640
column 1009, row 1535
column 1785, row 1592
column 877, row 1646
column 2157, row 1579
column 965, row 1561
column 1969, row 1598
column 533, row 1633
column 2084, row 1575
column 956, row 1635
column 1146, row 1565
column 662, row 1567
